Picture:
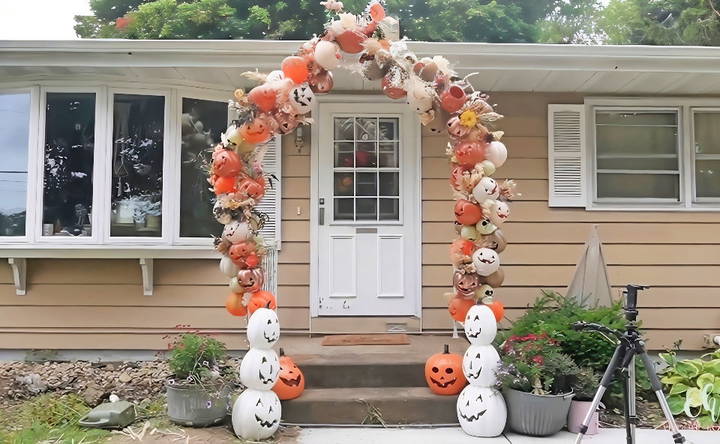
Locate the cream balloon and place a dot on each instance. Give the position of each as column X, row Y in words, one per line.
column 496, row 152
column 326, row 54
column 227, row 267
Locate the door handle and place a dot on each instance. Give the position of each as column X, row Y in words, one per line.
column 321, row 215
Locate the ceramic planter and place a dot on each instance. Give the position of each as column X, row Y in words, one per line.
column 578, row 410
column 536, row 415
column 196, row 406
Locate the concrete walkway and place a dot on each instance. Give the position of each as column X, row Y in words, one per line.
column 453, row 435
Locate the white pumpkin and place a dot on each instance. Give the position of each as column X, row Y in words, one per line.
column 480, row 365
column 327, row 54
column 496, row 152
column 222, row 214
column 227, row 267
column 496, row 211
column 487, row 188
column 481, row 411
column 486, row 261
column 237, row 231
column 480, row 325
column 259, row 369
column 256, row 414
column 301, row 98
column 263, row 329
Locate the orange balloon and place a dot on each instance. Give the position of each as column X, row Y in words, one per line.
column 377, row 12
column 295, row 68
column 225, row 185
column 498, row 310
column 234, row 306
column 262, row 299
column 264, row 97
column 459, row 307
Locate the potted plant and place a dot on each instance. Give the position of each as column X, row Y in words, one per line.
column 197, row 395
column 535, row 377
column 584, row 387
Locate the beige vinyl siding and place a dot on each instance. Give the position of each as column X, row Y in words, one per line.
column 675, row 252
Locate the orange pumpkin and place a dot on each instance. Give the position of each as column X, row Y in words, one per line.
column 234, row 305
column 468, row 153
column 240, row 251
column 258, row 130
column 264, row 97
column 462, row 246
column 226, row 163
column 291, row 381
column 443, row 373
column 249, row 188
column 262, row 299
column 224, row 185
column 467, row 213
column 459, row 306
column 295, row 68
column 498, row 310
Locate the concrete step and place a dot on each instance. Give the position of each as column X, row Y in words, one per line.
column 362, row 370
column 370, row 405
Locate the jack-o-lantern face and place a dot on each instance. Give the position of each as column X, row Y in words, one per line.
column 322, row 82
column 467, row 213
column 240, row 251
column 237, row 231
column 301, row 98
column 485, row 227
column 256, row 414
column 456, row 177
column 226, row 163
column 457, row 129
column 259, row 130
column 481, row 411
column 480, row 365
column 291, row 381
column 263, row 329
column 264, row 97
column 480, row 325
column 250, row 280
column 486, row 261
column 495, row 241
column 502, row 210
column 250, row 189
column 465, row 283
column 262, row 299
column 468, row 153
column 259, row 368
column 459, row 306
column 443, row 373
column 286, row 122
column 487, row 188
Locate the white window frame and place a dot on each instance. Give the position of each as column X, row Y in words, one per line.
column 694, row 156
column 685, row 108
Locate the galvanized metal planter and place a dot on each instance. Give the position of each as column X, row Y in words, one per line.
column 536, row 415
column 197, row 406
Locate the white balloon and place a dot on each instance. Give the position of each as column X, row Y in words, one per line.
column 480, row 365
column 486, row 261
column 487, row 188
column 237, row 231
column 480, row 325
column 481, row 411
column 227, row 267
column 259, row 369
column 263, row 329
column 326, row 54
column 496, row 152
column 256, row 414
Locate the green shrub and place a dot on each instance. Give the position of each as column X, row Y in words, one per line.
column 196, row 358
column 693, row 386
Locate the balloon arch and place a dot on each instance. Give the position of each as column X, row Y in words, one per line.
column 369, row 44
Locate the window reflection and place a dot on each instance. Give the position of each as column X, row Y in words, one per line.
column 68, row 164
column 14, row 131
column 137, row 165
column 202, row 123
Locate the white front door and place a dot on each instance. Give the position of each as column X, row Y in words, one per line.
column 368, row 255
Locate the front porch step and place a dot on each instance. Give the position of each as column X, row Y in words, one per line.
column 370, row 405
column 363, row 370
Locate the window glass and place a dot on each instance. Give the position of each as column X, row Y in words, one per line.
column 637, row 154
column 202, row 123
column 14, row 134
column 68, row 164
column 137, row 165
column 707, row 154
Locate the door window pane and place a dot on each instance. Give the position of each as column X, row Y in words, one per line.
column 137, row 165
column 14, row 138
column 202, row 123
column 68, row 164
column 637, row 154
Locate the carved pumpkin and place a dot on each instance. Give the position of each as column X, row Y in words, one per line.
column 249, row 188
column 237, row 231
column 443, row 373
column 263, row 329
column 480, row 325
column 467, row 213
column 295, row 68
column 259, row 368
column 250, row 280
column 239, row 251
column 234, row 306
column 459, row 306
column 486, row 261
column 453, row 98
column 377, row 12
column 468, row 153
column 480, row 365
column 456, row 129
column 487, row 188
column 264, row 97
column 481, row 411
column 259, row 130
column 301, row 98
column 291, row 380
column 496, row 152
column 456, row 176
column 465, row 284
column 262, row 299
column 286, row 122
column 256, row 414
column 226, row 163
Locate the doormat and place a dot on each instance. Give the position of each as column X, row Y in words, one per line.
column 377, row 339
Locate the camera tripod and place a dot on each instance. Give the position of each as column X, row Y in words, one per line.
column 622, row 364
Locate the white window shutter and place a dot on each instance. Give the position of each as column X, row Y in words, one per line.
column 566, row 156
column 270, row 203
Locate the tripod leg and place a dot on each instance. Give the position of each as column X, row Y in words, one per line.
column 626, row 408
column 631, row 416
column 604, row 383
column 657, row 388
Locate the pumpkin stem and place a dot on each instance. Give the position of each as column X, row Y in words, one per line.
column 446, row 349
column 282, row 352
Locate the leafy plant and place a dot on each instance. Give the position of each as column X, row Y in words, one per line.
column 196, row 358
column 585, row 384
column 694, row 386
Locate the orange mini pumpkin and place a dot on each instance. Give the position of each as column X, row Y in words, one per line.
column 262, row 299
column 443, row 373
column 467, row 213
column 234, row 305
column 459, row 306
column 226, row 163
column 291, row 381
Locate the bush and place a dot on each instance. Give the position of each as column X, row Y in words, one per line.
column 694, row 387
column 196, row 358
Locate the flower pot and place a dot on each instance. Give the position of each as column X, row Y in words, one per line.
column 536, row 415
column 197, row 406
column 578, row 410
